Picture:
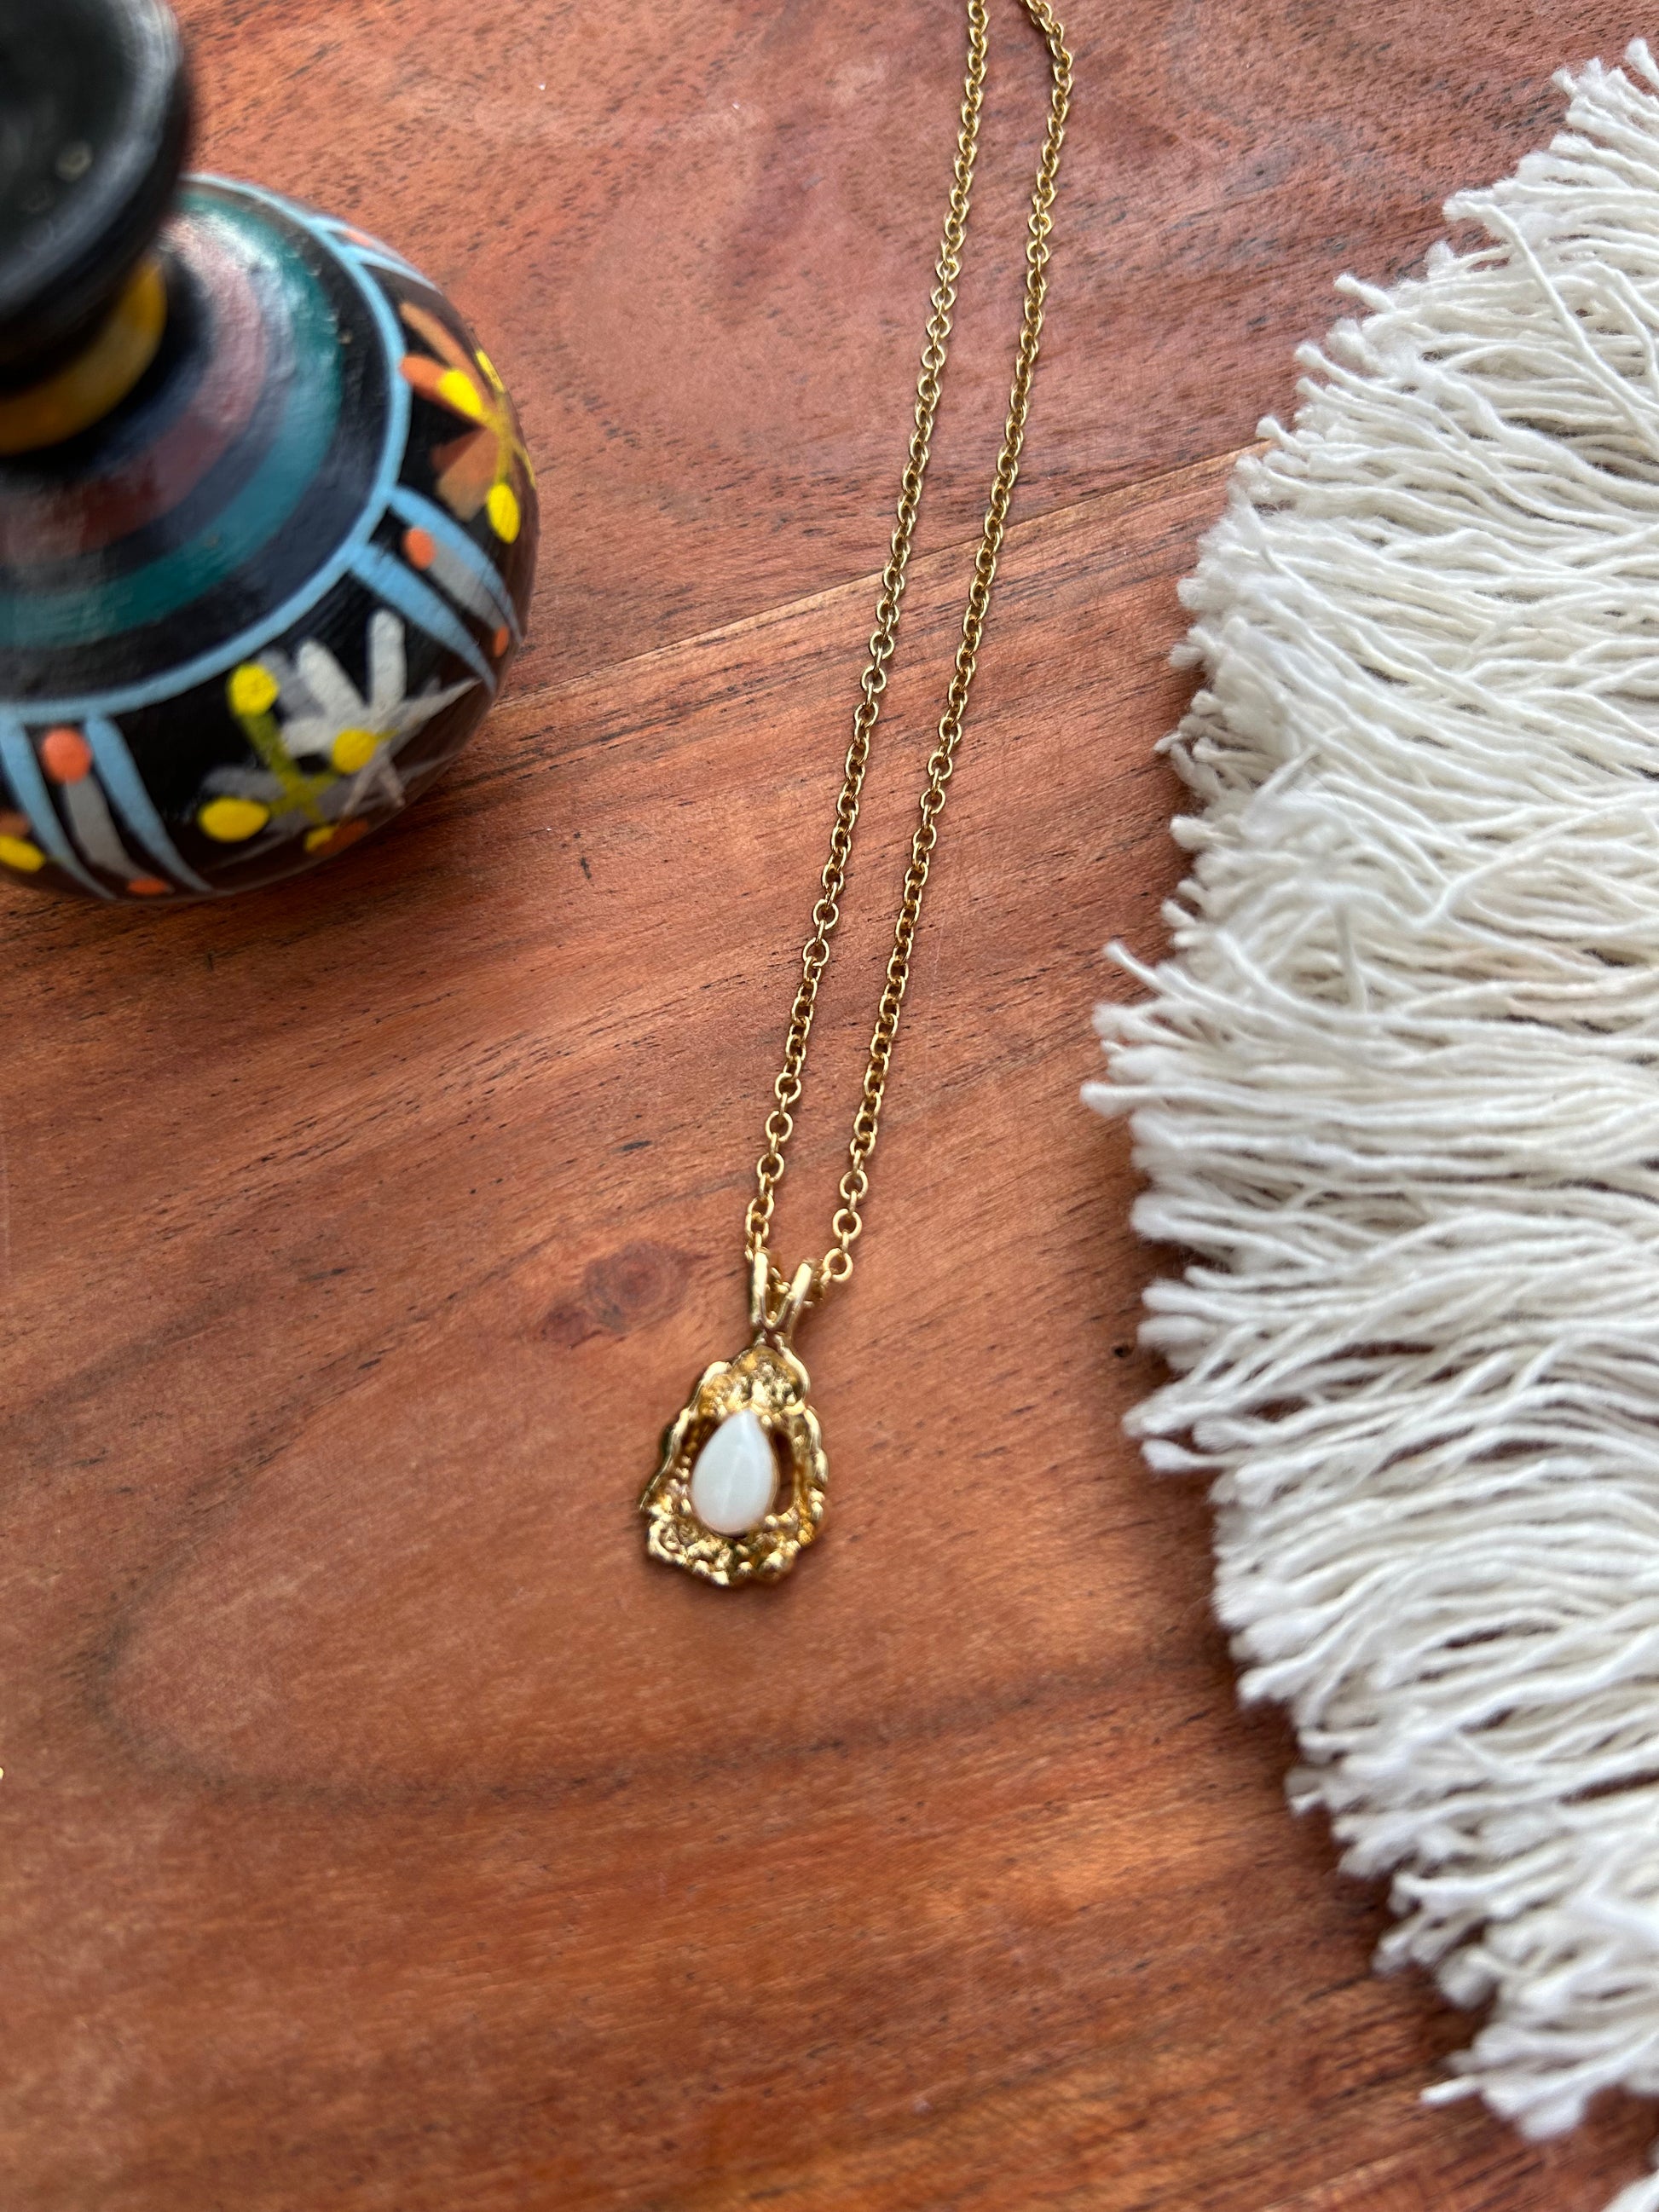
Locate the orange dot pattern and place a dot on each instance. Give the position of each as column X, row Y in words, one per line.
column 65, row 755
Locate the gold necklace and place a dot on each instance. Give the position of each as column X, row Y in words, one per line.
column 714, row 1506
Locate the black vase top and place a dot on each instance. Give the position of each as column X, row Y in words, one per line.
column 94, row 114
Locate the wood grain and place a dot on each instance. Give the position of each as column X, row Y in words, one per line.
column 382, row 1832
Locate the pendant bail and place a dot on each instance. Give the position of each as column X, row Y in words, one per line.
column 776, row 1324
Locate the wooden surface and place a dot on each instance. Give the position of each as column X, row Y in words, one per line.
column 382, row 1832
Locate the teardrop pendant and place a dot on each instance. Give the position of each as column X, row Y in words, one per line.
column 741, row 1487
column 734, row 1478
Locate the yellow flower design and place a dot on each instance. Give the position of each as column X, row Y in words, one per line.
column 477, row 470
column 326, row 751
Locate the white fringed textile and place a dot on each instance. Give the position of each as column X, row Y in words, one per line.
column 1397, row 1088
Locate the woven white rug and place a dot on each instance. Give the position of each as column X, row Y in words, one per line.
column 1397, row 1089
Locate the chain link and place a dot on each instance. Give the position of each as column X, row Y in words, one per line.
column 837, row 1262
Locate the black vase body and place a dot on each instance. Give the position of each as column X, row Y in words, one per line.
column 249, row 609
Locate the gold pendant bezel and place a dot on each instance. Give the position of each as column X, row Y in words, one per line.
column 768, row 1380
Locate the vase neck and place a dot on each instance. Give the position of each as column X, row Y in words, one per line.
column 94, row 381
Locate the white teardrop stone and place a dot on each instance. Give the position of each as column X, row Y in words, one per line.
column 735, row 1476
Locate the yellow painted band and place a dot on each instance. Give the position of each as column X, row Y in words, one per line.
column 95, row 380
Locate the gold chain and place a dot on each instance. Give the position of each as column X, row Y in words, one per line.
column 836, row 1264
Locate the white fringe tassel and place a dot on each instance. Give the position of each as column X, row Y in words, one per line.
column 1397, row 1087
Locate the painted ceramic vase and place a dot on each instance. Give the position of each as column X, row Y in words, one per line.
column 267, row 523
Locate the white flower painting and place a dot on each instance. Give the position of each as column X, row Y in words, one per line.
column 342, row 722
column 327, row 751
